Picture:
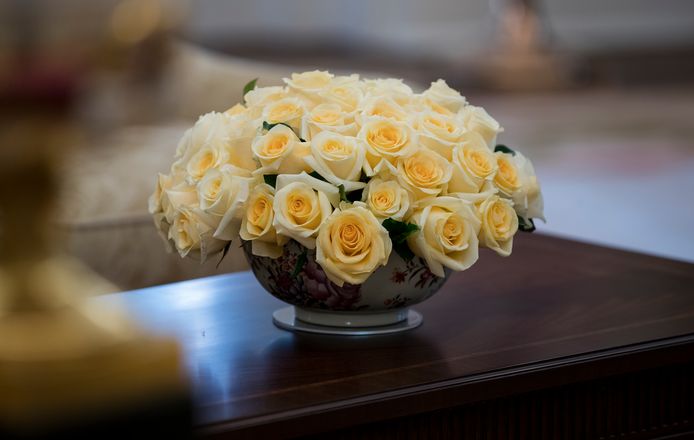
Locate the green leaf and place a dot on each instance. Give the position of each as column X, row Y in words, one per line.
column 315, row 175
column 343, row 194
column 300, row 263
column 504, row 149
column 270, row 179
column 250, row 85
column 526, row 225
column 399, row 231
column 224, row 254
column 354, row 196
column 268, row 126
column 403, row 250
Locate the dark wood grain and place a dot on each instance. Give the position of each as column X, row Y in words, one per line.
column 555, row 313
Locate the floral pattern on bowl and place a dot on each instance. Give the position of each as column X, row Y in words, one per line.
column 297, row 279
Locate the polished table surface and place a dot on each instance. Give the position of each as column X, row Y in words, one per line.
column 505, row 326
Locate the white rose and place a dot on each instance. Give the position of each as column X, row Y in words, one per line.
column 499, row 224
column 488, row 189
column 346, row 93
column 473, row 165
column 478, row 120
column 381, row 107
column 257, row 223
column 242, row 131
column 328, row 117
column 527, row 200
column 386, row 140
column 394, row 88
column 386, row 199
column 352, row 244
column 424, row 173
column 204, row 146
column 163, row 230
column 210, row 129
column 301, row 205
column 440, row 93
column 309, row 83
column 439, row 133
column 288, row 111
column 261, row 96
column 222, row 197
column 158, row 204
column 339, row 159
column 193, row 237
column 280, row 151
column 236, row 109
column 240, row 156
column 177, row 197
column 154, row 203
column 447, row 235
column 184, row 144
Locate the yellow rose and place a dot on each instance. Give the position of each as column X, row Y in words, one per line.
column 440, row 93
column 473, row 165
column 280, row 151
column 447, row 235
column 386, row 199
column 439, row 133
column 352, row 244
column 339, row 159
column 386, row 140
column 287, row 110
column 301, row 205
column 327, row 114
column 499, row 225
column 328, row 117
column 476, row 119
column 507, row 178
column 204, row 160
column 424, row 173
column 256, row 225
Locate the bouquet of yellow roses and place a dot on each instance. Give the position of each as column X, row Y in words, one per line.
column 353, row 168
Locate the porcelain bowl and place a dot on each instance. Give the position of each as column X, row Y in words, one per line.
column 383, row 299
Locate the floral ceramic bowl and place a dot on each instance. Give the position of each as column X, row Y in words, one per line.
column 383, row 299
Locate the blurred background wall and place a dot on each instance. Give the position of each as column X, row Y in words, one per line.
column 599, row 94
column 613, row 36
column 447, row 28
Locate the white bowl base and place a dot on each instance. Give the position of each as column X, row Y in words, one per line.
column 349, row 324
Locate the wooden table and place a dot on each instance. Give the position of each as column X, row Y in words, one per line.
column 562, row 340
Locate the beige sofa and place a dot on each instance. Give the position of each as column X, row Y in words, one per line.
column 103, row 212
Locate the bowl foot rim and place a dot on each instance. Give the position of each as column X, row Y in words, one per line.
column 345, row 323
